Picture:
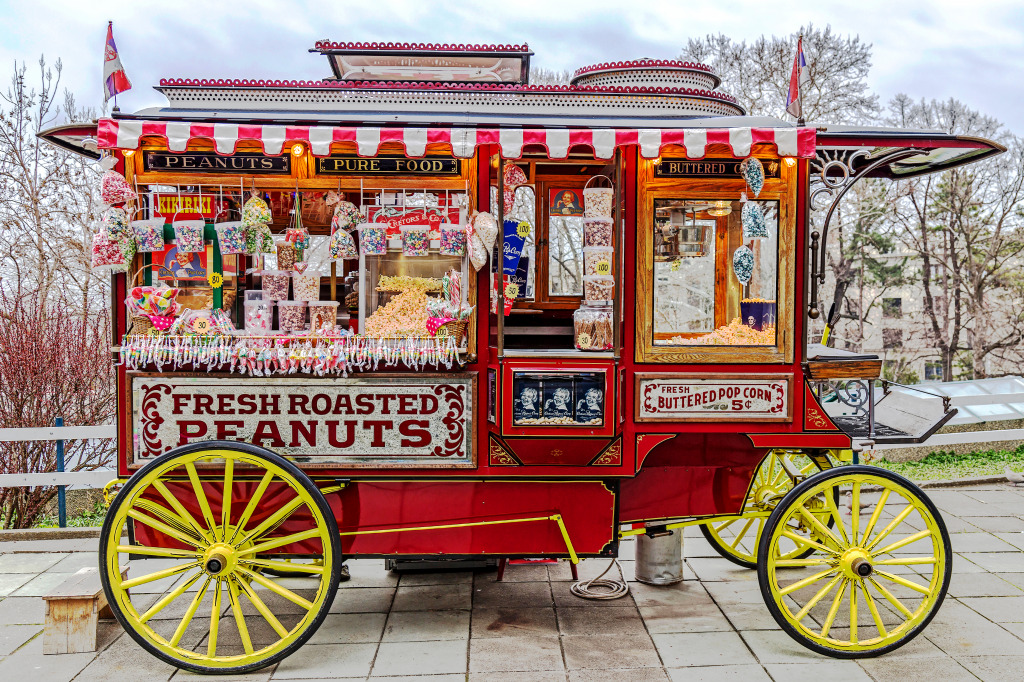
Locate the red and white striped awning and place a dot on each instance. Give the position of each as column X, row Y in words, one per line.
column 274, row 139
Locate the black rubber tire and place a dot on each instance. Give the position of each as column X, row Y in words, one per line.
column 775, row 518
column 300, row 477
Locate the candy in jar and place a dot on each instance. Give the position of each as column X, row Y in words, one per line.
column 453, row 240
column 149, row 234
column 231, row 237
column 291, row 315
column 373, row 238
column 286, row 255
column 188, row 236
column 275, row 284
column 598, row 288
column 597, row 260
column 306, row 286
column 259, row 316
column 597, row 232
column 415, row 240
column 323, row 316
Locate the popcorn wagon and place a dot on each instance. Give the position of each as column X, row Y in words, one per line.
column 424, row 309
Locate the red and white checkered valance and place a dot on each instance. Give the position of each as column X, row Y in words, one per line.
column 275, row 139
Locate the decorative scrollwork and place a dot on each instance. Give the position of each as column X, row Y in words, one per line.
column 853, row 393
column 831, row 172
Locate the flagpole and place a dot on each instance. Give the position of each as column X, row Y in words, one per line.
column 800, row 92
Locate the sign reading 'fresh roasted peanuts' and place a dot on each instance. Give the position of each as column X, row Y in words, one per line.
column 400, row 421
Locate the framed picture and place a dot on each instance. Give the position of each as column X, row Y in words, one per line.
column 565, row 202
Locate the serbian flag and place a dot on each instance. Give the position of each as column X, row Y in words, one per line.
column 114, row 78
column 798, row 80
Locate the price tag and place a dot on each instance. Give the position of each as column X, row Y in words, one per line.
column 523, row 229
column 603, row 267
column 583, row 340
column 512, row 290
column 201, row 325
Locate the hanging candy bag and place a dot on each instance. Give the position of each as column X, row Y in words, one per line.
column 114, row 189
column 107, row 254
column 256, row 212
column 346, row 216
column 342, row 246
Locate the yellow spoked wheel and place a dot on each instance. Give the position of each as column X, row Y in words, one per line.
column 736, row 539
column 219, row 518
column 876, row 578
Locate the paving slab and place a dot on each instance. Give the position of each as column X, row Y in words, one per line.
column 433, row 598
column 22, row 610
column 527, row 653
column 893, row 668
column 491, row 623
column 12, row 637
column 597, row 652
column 420, row 658
column 775, row 646
column 350, row 628
column 586, row 622
column 369, row 573
column 997, row 562
column 41, row 584
column 998, row 609
column 833, row 671
column 9, row 582
column 983, row 585
column 996, row 524
column 996, row 668
column 535, row 676
column 489, row 594
column 702, row 649
column 427, row 626
column 721, row 673
column 29, row 663
column 959, row 631
column 28, row 563
column 364, row 600
column 325, row 661
column 980, row 542
column 446, row 578
column 619, row 674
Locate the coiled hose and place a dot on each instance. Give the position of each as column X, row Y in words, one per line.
column 602, row 588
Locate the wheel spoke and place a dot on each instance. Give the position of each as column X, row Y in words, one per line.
column 168, row 598
column 273, row 521
column 236, row 608
column 830, row 504
column 211, row 646
column 904, row 542
column 181, row 511
column 168, row 552
column 280, row 542
column 204, row 504
column 854, row 520
column 189, row 613
column 908, row 561
column 253, row 502
column 897, row 604
column 285, row 566
column 831, row 617
column 891, row 527
column 873, row 608
column 820, row 528
column 150, row 577
column 267, row 614
column 164, row 528
column 853, row 611
column 278, row 589
column 796, row 563
column 909, row 584
column 806, row 541
column 806, row 582
column 817, row 597
column 743, row 532
column 225, row 505
column 877, row 514
column 164, row 515
column 720, row 528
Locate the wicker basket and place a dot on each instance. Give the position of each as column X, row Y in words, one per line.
column 455, row 328
column 139, row 325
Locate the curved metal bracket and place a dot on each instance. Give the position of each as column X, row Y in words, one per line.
column 832, row 177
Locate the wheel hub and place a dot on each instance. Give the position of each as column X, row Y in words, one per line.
column 219, row 558
column 856, row 563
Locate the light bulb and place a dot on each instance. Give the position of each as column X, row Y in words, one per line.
column 128, row 152
column 789, row 160
column 297, row 149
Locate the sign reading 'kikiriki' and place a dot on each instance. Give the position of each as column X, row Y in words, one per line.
column 668, row 397
column 400, row 420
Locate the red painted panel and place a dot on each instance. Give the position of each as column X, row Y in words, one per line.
column 800, row 440
column 587, row 507
column 701, row 474
column 556, row 452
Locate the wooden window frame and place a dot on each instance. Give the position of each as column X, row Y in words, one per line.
column 783, row 190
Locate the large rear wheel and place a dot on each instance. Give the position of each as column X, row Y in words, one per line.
column 221, row 518
column 874, row 580
column 736, row 539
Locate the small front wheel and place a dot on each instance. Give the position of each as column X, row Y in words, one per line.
column 220, row 518
column 875, row 578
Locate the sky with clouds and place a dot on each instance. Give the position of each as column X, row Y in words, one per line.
column 970, row 50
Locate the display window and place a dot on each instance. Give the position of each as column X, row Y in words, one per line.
column 714, row 264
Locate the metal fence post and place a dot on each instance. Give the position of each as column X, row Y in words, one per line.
column 62, row 512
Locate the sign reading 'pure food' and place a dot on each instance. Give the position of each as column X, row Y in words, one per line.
column 400, row 421
column 668, row 397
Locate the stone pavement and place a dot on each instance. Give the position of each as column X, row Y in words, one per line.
column 457, row 626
